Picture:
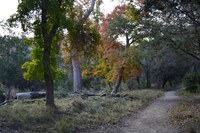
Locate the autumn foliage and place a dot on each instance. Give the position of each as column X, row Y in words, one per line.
column 109, row 18
column 112, row 58
column 117, row 59
column 119, row 62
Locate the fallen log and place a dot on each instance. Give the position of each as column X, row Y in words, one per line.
column 4, row 103
column 35, row 95
column 23, row 95
column 30, row 95
column 89, row 94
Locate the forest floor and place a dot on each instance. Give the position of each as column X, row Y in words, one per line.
column 140, row 112
column 73, row 114
column 153, row 119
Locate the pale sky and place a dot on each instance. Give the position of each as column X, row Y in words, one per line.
column 9, row 7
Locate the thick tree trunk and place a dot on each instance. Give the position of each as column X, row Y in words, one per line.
column 77, row 77
column 70, row 72
column 47, row 40
column 118, row 82
column 48, row 75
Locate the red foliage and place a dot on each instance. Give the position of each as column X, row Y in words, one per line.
column 115, row 58
column 110, row 51
column 109, row 18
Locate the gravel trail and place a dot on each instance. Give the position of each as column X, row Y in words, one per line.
column 153, row 119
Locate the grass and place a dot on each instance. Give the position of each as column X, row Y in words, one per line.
column 72, row 114
column 187, row 94
column 186, row 115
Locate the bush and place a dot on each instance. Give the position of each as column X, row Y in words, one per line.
column 192, row 82
column 92, row 83
column 63, row 87
column 132, row 84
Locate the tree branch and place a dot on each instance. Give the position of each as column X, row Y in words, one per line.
column 183, row 50
column 88, row 12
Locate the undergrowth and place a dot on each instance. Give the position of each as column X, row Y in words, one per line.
column 72, row 114
column 186, row 115
column 187, row 94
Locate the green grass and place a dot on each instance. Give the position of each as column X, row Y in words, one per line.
column 73, row 114
column 186, row 115
column 187, row 94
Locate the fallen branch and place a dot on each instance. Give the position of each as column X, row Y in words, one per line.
column 3, row 103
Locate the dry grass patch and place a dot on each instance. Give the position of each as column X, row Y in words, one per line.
column 186, row 115
column 72, row 114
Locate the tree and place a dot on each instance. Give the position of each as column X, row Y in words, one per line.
column 161, row 64
column 182, row 18
column 121, row 64
column 167, row 23
column 45, row 19
column 13, row 53
column 114, row 26
column 81, row 40
column 168, row 66
column 146, row 61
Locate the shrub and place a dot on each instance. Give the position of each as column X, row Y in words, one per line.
column 63, row 87
column 1, row 92
column 92, row 83
column 192, row 82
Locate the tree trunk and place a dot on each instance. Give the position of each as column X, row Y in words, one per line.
column 118, row 82
column 47, row 40
column 164, row 83
column 138, row 81
column 48, row 75
column 77, row 77
column 148, row 79
column 70, row 72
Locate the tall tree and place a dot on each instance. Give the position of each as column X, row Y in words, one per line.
column 13, row 53
column 182, row 17
column 116, row 25
column 46, row 19
column 82, row 40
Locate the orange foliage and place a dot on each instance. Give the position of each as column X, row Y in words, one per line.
column 118, row 62
column 110, row 52
column 114, row 60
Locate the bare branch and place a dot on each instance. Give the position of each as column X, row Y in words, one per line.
column 88, row 12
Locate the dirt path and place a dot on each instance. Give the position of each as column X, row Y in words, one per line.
column 153, row 119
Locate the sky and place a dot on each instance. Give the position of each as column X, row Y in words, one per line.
column 9, row 7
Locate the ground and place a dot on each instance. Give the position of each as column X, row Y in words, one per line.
column 166, row 114
column 153, row 119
